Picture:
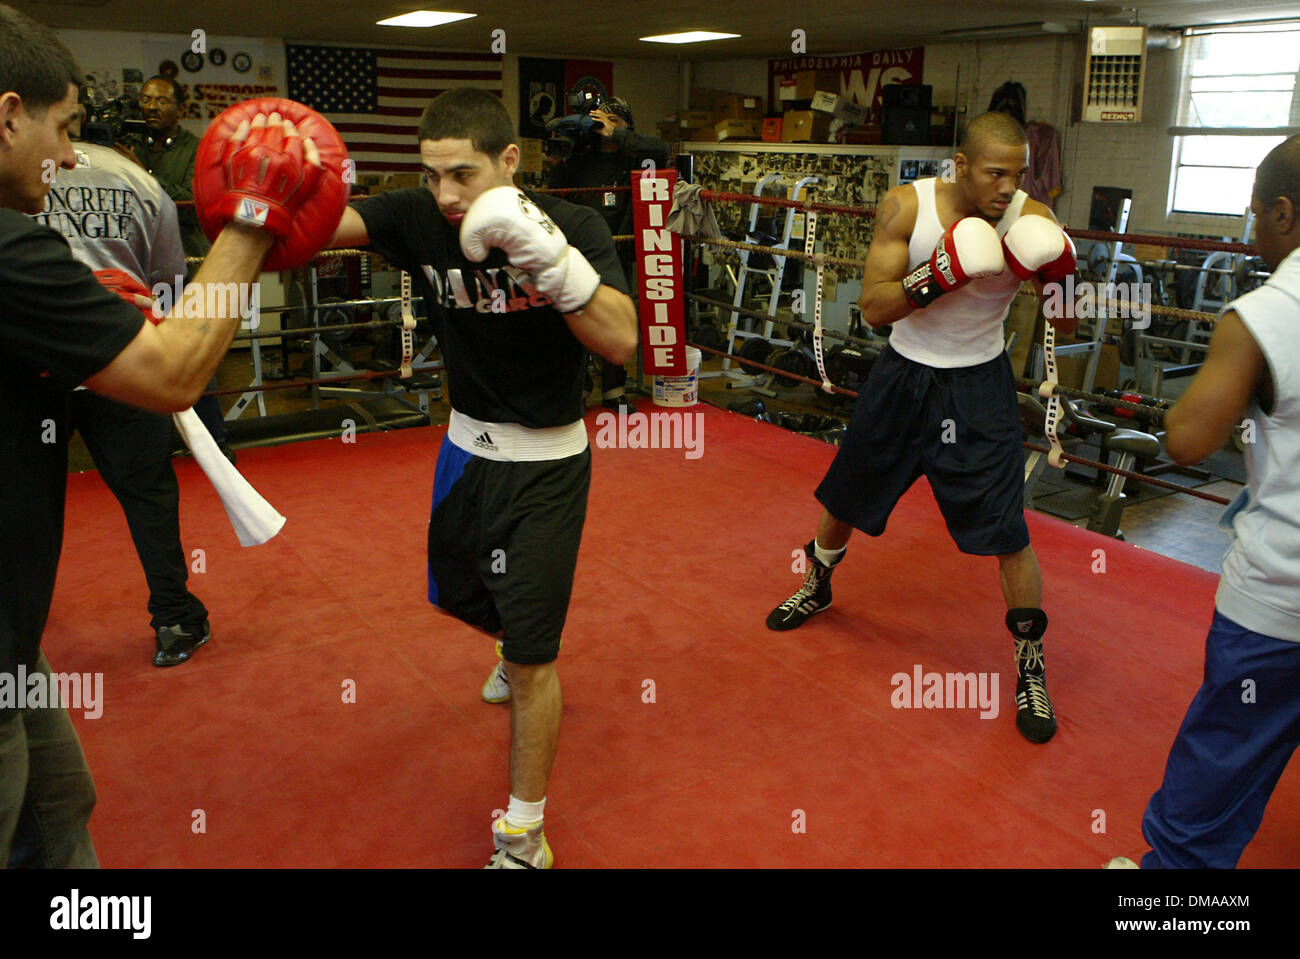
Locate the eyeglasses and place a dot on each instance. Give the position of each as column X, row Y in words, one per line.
column 161, row 101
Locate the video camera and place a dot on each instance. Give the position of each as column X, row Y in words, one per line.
column 571, row 135
column 112, row 121
column 577, row 132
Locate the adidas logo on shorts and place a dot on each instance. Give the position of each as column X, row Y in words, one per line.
column 484, row 442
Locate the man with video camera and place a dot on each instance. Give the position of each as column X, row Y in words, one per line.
column 166, row 149
column 605, row 149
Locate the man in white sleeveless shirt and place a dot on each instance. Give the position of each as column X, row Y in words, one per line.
column 1244, row 724
column 945, row 263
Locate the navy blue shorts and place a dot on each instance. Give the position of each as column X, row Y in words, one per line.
column 503, row 546
column 960, row 428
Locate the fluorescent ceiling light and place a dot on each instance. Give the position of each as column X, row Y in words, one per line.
column 424, row 18
column 1010, row 30
column 694, row 36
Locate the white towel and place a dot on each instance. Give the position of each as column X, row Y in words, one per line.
column 255, row 520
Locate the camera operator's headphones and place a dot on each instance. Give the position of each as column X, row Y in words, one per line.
column 617, row 106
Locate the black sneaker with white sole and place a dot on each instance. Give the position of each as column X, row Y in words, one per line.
column 813, row 597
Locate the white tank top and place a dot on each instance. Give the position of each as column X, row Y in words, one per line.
column 964, row 327
column 1260, row 585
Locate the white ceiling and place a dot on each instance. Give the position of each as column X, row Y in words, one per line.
column 606, row 30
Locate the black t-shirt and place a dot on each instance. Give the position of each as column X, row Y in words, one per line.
column 58, row 327
column 521, row 366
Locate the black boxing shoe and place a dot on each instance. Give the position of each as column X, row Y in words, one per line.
column 1035, row 717
column 177, row 643
column 813, row 597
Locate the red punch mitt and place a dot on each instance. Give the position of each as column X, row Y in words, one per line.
column 128, row 288
column 264, row 181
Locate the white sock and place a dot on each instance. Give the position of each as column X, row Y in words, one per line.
column 827, row 557
column 521, row 813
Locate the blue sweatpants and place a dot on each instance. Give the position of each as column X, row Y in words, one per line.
column 1235, row 741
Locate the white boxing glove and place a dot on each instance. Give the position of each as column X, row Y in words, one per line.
column 1035, row 246
column 505, row 218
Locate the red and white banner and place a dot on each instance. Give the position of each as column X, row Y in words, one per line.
column 659, row 271
column 862, row 75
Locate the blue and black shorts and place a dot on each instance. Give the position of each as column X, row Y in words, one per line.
column 960, row 428
column 503, row 546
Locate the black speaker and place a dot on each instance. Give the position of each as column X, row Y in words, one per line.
column 906, row 114
column 906, row 95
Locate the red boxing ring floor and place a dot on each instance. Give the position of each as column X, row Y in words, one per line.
column 751, row 735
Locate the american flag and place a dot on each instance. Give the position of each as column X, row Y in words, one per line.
column 375, row 98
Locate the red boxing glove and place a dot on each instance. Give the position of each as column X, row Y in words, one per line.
column 265, row 181
column 968, row 250
column 1037, row 247
column 128, row 288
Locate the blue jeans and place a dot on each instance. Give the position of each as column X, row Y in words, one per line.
column 1232, row 748
column 46, row 793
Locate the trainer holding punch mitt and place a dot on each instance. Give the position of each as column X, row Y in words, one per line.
column 59, row 327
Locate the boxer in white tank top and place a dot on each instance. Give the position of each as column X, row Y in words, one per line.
column 940, row 269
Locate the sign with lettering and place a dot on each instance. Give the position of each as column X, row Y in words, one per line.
column 659, row 272
column 862, row 75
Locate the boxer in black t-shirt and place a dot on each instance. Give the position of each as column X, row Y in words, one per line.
column 520, row 286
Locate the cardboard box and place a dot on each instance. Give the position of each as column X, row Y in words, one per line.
column 1070, row 370
column 864, row 136
column 687, row 125
column 737, row 130
column 808, row 82
column 691, row 119
column 772, row 129
column 734, row 106
column 805, row 126
column 703, row 98
column 842, row 108
column 691, row 135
